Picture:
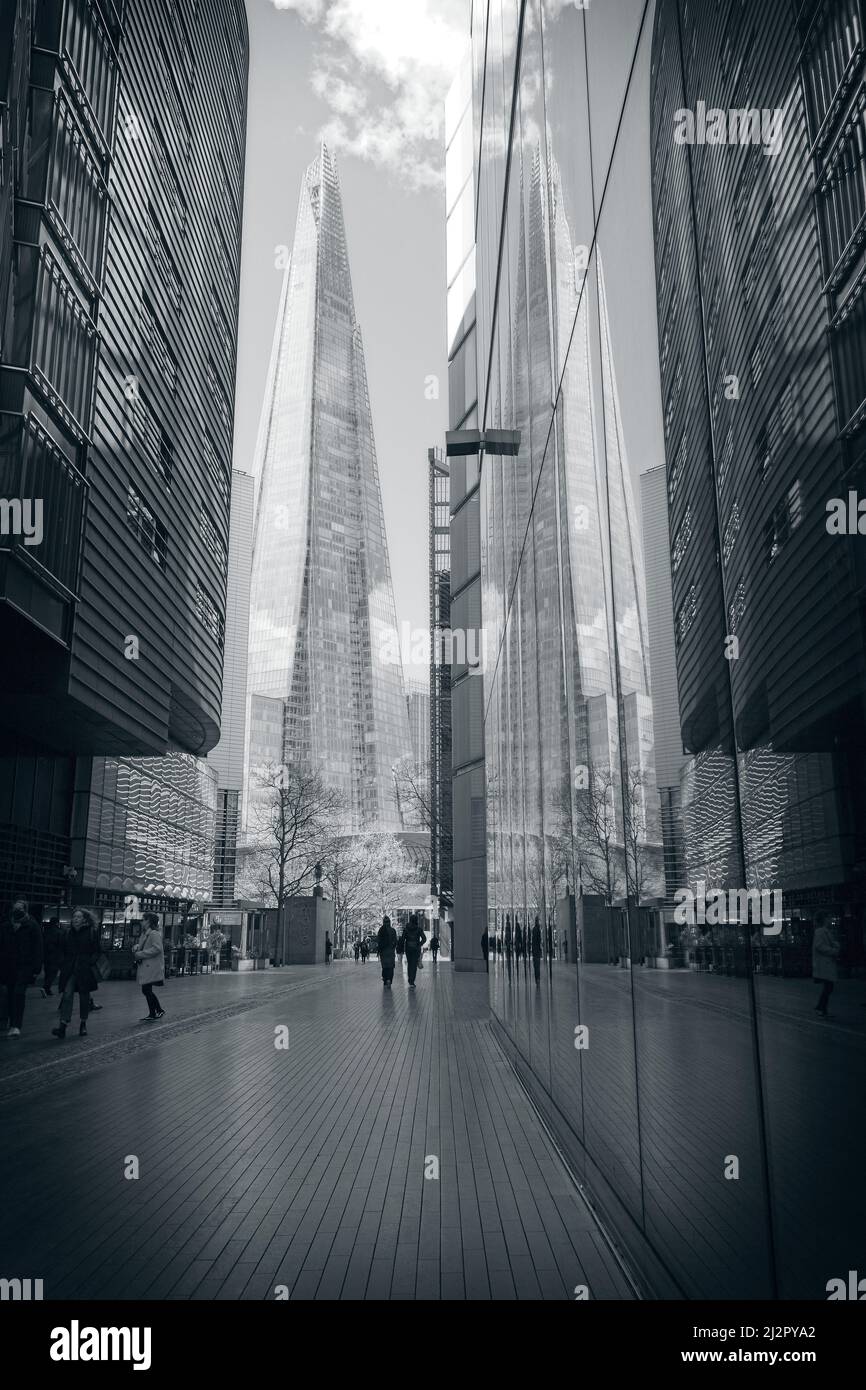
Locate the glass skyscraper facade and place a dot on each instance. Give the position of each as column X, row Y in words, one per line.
column 323, row 629
column 622, row 278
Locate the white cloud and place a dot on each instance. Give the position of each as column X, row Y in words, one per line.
column 383, row 68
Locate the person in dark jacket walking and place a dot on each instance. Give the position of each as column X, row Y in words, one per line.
column 536, row 950
column 387, row 938
column 77, row 973
column 434, row 945
column 414, row 937
column 52, row 954
column 357, row 951
column 20, row 963
column 365, row 951
column 485, row 949
column 328, row 948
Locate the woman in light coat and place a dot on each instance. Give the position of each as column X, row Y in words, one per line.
column 825, row 953
column 149, row 956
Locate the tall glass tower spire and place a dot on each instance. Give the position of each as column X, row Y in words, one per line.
column 322, row 603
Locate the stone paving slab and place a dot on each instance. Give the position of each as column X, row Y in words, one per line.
column 302, row 1168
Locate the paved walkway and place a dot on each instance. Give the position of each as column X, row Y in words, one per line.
column 303, row 1168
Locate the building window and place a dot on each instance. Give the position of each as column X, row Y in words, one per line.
column 785, row 519
column 673, row 398
column 150, row 533
column 219, row 398
column 168, row 179
column 156, row 444
column 725, row 457
column 174, row 102
column 162, row 258
column 677, row 469
column 759, row 253
column 215, row 468
column 770, row 339
column 681, row 540
column 737, row 607
column 211, row 539
column 157, row 345
column 687, row 613
column 713, row 315
column 209, row 614
column 223, row 331
column 777, row 424
column 732, row 529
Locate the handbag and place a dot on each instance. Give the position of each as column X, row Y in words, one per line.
column 102, row 966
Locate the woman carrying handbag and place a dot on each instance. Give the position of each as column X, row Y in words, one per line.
column 149, row 956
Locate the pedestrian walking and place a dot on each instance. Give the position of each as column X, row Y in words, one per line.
column 149, row 956
column 77, row 971
column 825, row 955
column 365, row 951
column 52, row 954
column 20, row 963
column 536, row 950
column 328, row 949
column 387, row 938
column 357, row 951
column 485, row 948
column 414, row 937
column 434, row 946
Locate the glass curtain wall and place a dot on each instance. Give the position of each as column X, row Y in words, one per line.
column 712, row 1114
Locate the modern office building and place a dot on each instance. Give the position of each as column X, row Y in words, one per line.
column 227, row 758
column 323, row 628
column 669, row 756
column 616, row 298
column 117, row 367
column 439, row 529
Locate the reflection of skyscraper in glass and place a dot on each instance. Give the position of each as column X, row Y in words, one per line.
column 604, row 596
column 322, row 619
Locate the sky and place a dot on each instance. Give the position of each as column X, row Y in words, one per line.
column 370, row 76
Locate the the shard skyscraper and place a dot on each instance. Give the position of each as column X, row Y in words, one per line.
column 325, row 689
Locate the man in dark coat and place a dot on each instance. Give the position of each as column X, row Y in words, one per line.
column 414, row 937
column 387, row 938
column 20, row 963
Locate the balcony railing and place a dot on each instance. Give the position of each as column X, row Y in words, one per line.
column 63, row 353
column 76, row 195
column 89, row 63
column 34, row 470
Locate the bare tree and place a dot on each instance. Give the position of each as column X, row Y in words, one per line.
column 641, row 854
column 595, row 833
column 357, row 870
column 412, row 794
column 295, row 817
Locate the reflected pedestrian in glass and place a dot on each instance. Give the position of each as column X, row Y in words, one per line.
column 149, row 956
column 52, row 954
column 536, row 950
column 825, row 954
column 387, row 938
column 77, row 973
column 20, row 963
